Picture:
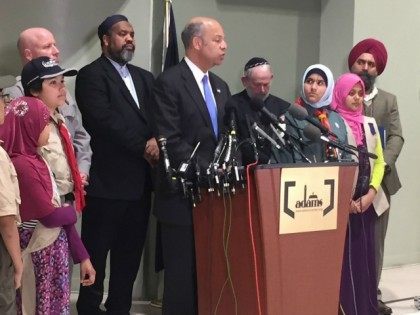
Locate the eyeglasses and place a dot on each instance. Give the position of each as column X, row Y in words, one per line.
column 6, row 97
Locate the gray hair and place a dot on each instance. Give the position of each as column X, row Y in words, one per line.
column 191, row 30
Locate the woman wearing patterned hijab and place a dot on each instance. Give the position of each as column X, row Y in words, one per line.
column 47, row 233
column 358, row 280
column 316, row 96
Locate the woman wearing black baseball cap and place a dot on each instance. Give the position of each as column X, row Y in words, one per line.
column 37, row 70
column 43, row 79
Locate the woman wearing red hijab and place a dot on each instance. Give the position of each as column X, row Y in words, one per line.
column 358, row 280
column 47, row 228
column 43, row 78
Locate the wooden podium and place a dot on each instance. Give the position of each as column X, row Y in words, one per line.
column 252, row 257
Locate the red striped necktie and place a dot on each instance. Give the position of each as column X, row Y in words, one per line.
column 74, row 169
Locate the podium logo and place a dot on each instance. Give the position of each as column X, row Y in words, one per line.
column 308, row 199
column 311, row 202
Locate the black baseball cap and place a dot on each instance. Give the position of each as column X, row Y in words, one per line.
column 42, row 68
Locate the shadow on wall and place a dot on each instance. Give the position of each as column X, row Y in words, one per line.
column 72, row 23
column 295, row 5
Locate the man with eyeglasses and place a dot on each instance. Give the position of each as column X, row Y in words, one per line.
column 6, row 97
column 11, row 266
column 368, row 60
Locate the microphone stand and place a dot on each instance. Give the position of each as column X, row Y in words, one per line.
column 187, row 186
column 293, row 142
column 252, row 140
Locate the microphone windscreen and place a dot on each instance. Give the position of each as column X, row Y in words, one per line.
column 312, row 133
column 230, row 108
column 298, row 112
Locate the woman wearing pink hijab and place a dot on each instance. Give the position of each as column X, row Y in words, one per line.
column 47, row 233
column 358, row 279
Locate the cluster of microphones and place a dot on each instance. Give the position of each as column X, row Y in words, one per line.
column 225, row 174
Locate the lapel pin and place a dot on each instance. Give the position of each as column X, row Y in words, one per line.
column 218, row 90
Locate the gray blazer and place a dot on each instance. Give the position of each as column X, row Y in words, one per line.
column 384, row 109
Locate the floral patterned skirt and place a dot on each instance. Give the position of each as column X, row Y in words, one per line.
column 51, row 266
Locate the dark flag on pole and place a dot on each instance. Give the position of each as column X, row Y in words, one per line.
column 170, row 55
column 170, row 58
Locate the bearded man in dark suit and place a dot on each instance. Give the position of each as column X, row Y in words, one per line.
column 113, row 97
column 188, row 107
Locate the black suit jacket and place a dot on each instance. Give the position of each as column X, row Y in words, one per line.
column 181, row 116
column 119, row 129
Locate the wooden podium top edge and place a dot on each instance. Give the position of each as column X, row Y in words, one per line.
column 293, row 165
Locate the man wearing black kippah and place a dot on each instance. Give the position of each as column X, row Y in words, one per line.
column 113, row 97
column 256, row 80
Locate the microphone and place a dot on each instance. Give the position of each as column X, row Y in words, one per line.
column 212, row 169
column 278, row 134
column 219, row 150
column 258, row 105
column 291, row 139
column 197, row 177
column 364, row 150
column 300, row 113
column 232, row 134
column 166, row 162
column 263, row 134
column 229, row 149
column 252, row 138
column 315, row 135
column 183, row 167
column 230, row 118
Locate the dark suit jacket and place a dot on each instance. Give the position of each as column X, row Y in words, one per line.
column 119, row 129
column 181, row 116
column 384, row 109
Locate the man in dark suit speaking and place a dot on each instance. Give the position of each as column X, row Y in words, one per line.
column 188, row 107
column 113, row 96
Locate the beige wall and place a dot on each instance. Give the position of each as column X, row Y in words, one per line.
column 396, row 23
column 284, row 32
column 336, row 34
